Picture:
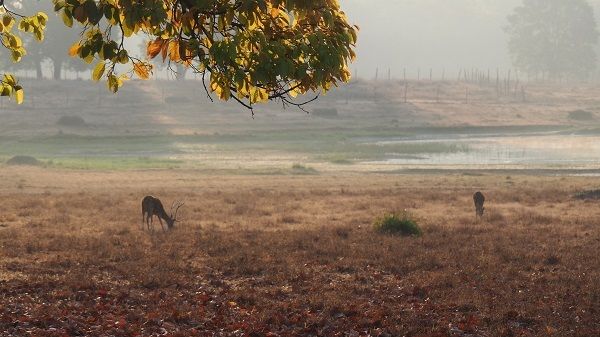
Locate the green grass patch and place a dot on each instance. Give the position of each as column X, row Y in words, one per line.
column 338, row 159
column 402, row 223
column 341, row 161
column 126, row 163
column 303, row 170
column 66, row 145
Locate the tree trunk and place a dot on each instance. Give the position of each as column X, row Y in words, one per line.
column 38, row 71
column 57, row 69
column 181, row 71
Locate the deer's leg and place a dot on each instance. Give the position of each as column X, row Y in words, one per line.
column 143, row 219
column 161, row 224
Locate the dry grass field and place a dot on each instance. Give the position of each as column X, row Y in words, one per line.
column 296, row 256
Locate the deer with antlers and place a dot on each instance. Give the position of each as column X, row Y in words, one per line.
column 152, row 206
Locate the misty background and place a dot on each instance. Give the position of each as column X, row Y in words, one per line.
column 395, row 35
column 493, row 115
column 413, row 34
column 430, row 33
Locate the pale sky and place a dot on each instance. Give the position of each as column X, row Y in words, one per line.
column 429, row 34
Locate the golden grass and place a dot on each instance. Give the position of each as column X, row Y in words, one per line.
column 296, row 255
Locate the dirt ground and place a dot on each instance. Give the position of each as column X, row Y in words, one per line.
column 296, row 255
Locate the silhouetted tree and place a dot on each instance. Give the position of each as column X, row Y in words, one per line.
column 55, row 45
column 555, row 38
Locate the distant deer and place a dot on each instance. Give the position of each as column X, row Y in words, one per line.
column 479, row 199
column 152, row 206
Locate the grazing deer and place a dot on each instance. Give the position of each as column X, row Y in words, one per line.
column 152, row 206
column 479, row 199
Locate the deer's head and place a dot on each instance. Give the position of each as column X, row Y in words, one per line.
column 173, row 217
column 480, row 211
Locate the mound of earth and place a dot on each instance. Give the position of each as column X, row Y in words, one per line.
column 581, row 115
column 73, row 121
column 23, row 160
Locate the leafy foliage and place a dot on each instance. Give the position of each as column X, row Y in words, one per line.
column 11, row 40
column 398, row 223
column 252, row 50
column 553, row 37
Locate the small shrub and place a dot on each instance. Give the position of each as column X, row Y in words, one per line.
column 588, row 195
column 341, row 161
column 288, row 219
column 73, row 121
column 581, row 115
column 398, row 223
column 303, row 170
column 23, row 160
column 552, row 260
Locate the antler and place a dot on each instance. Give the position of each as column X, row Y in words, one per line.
column 177, row 205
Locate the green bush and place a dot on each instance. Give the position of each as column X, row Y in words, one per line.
column 303, row 170
column 401, row 223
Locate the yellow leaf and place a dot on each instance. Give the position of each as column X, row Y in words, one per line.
column 10, row 79
column 16, row 55
column 154, row 47
column 274, row 12
column 42, row 18
column 67, row 19
column 19, row 96
column 39, row 35
column 174, row 51
column 127, row 31
column 74, row 49
column 15, row 41
column 112, row 83
column 24, row 25
column 98, row 71
column 164, row 50
column 141, row 70
column 7, row 21
column 89, row 59
column 353, row 35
